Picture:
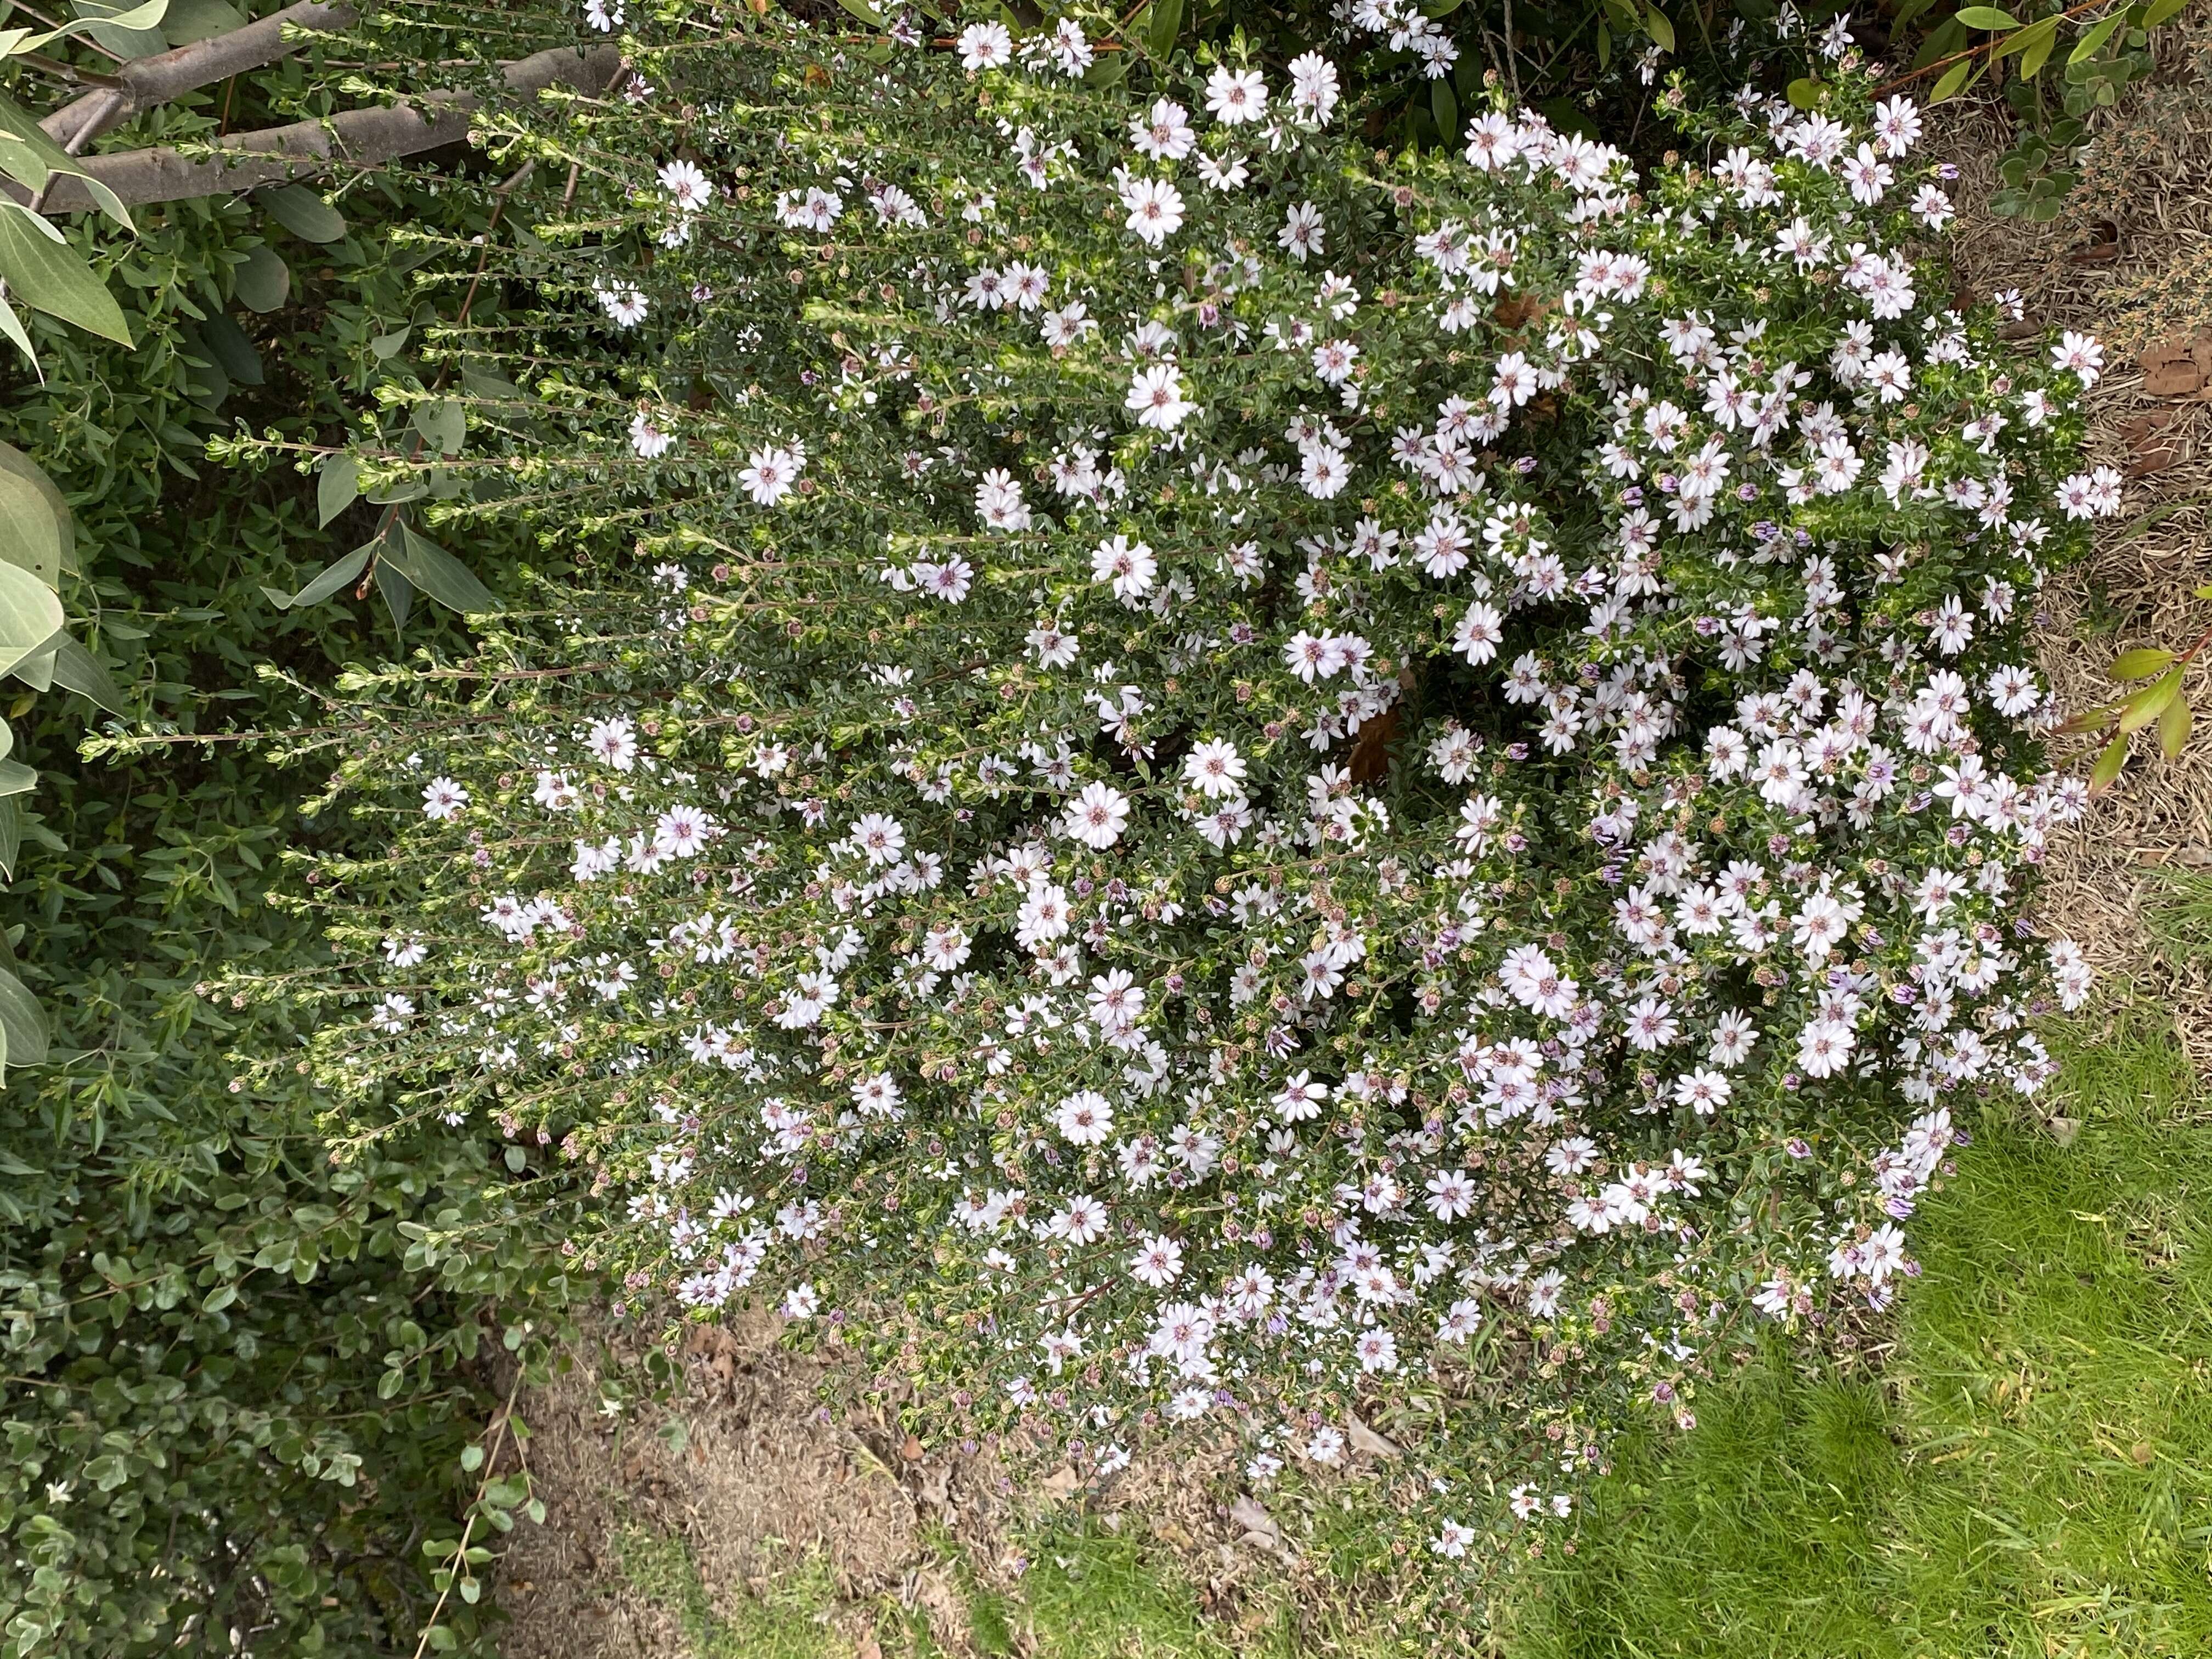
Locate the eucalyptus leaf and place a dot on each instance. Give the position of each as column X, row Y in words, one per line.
column 33, row 528
column 440, row 575
column 54, row 277
column 188, row 21
column 22, row 1022
column 332, row 576
column 11, row 836
column 76, row 669
column 336, row 487
column 303, row 212
column 30, row 615
column 227, row 344
column 37, row 669
column 132, row 32
column 263, row 281
column 399, row 592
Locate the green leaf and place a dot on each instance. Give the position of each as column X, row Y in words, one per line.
column 2173, row 727
column 2109, row 763
column 442, row 423
column 868, row 14
column 30, row 157
column 219, row 1298
column 11, row 834
column 2150, row 703
column 210, row 381
column 2033, row 35
column 332, row 576
column 1444, row 102
column 304, row 213
column 336, row 487
column 263, row 281
column 227, row 344
column 2086, row 46
column 2160, row 10
column 30, row 615
column 77, row 670
column 2140, row 664
column 1162, row 26
column 392, row 581
column 37, row 669
column 472, row 1459
column 1952, row 78
column 1604, row 43
column 388, row 346
column 195, row 20
column 53, row 278
column 131, row 32
column 36, row 532
column 1987, row 17
column 1662, row 30
column 494, row 387
column 2044, row 36
column 440, row 575
column 12, row 326
column 1803, row 93
column 15, row 778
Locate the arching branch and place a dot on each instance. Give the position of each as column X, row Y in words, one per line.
column 145, row 81
column 358, row 137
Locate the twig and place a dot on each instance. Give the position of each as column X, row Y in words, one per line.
column 459, row 1556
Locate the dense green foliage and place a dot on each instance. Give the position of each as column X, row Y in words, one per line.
column 239, row 1381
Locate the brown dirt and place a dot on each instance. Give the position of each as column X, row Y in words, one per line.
column 760, row 1473
column 2130, row 261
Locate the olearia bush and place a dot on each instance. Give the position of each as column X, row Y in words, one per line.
column 1204, row 772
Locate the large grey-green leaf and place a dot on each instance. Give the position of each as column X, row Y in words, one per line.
column 30, row 615
column 303, row 213
column 333, row 576
column 187, row 20
column 263, row 281
column 53, row 278
column 32, row 529
column 336, row 487
column 134, row 34
column 29, row 157
column 22, row 1022
column 37, row 669
column 391, row 582
column 440, row 575
column 14, row 460
column 11, row 836
column 443, row 422
column 227, row 343
column 15, row 778
column 77, row 670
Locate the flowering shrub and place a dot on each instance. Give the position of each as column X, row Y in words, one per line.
column 1218, row 774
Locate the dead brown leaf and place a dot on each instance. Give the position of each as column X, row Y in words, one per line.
column 2177, row 365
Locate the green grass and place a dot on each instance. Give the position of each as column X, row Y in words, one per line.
column 2032, row 1474
column 791, row 1620
column 2029, row 1474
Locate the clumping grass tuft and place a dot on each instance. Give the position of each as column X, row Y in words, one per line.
column 2031, row 1475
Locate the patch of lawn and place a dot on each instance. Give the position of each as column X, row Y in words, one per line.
column 2032, row 1475
column 790, row 1621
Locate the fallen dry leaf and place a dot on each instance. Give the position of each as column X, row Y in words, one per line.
column 2177, row 365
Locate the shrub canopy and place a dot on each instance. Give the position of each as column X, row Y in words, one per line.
column 1215, row 773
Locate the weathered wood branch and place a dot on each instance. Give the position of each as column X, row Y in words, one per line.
column 359, row 138
column 144, row 83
